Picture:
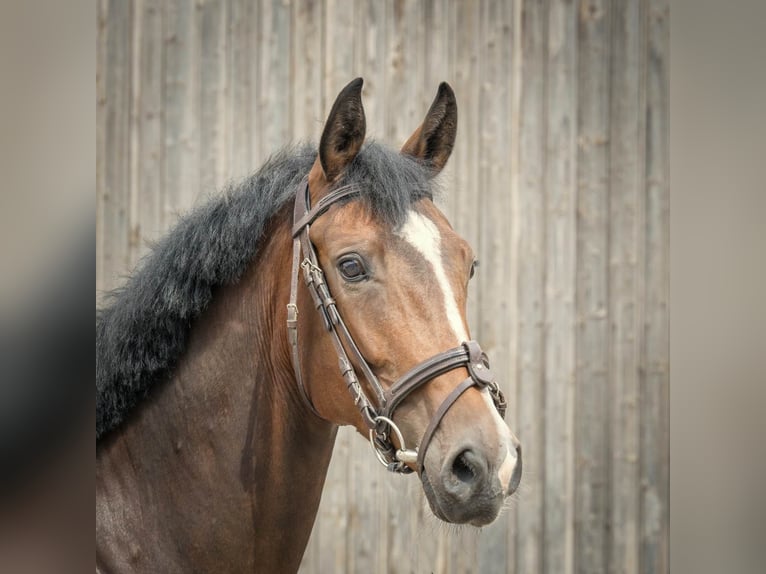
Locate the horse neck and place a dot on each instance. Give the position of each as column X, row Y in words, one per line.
column 223, row 466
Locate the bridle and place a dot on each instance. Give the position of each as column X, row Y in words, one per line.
column 378, row 416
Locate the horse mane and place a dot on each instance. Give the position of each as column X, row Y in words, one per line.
column 142, row 330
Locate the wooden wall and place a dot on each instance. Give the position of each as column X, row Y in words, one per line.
column 559, row 179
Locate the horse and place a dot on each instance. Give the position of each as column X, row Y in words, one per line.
column 326, row 289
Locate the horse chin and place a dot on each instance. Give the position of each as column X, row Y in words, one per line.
column 431, row 497
column 445, row 514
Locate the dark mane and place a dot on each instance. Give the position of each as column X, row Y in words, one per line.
column 142, row 330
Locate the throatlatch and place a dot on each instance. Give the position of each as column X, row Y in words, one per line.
column 377, row 416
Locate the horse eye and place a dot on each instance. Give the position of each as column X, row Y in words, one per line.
column 474, row 265
column 352, row 268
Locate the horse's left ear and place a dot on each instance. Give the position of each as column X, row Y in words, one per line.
column 433, row 141
column 343, row 132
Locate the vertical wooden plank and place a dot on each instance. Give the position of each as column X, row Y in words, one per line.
column 240, row 90
column 274, row 91
column 134, row 227
column 370, row 63
column 416, row 97
column 117, row 143
column 531, row 277
column 560, row 257
column 394, row 73
column 591, row 501
column 493, row 199
column 212, row 30
column 436, row 51
column 101, row 151
column 181, row 103
column 149, row 126
column 332, row 522
column 655, row 456
column 339, row 47
column 254, row 57
column 307, row 69
column 514, row 128
column 625, row 248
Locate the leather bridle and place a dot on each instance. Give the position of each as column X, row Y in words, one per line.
column 378, row 414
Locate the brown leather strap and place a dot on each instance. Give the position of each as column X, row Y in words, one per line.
column 361, row 362
column 292, row 306
column 421, row 374
column 480, row 376
column 438, row 416
column 307, row 217
column 303, row 215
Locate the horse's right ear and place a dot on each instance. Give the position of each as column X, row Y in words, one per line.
column 344, row 130
column 433, row 141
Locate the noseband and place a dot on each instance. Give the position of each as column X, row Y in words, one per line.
column 378, row 415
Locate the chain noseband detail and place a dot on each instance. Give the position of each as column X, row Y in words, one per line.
column 378, row 416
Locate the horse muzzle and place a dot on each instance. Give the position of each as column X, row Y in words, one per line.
column 470, row 487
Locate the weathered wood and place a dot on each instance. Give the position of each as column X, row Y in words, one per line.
column 558, row 180
column 253, row 55
column 134, row 131
column 592, row 337
column 531, row 282
column 560, row 257
column 213, row 106
column 239, row 136
column 655, row 453
column 181, row 105
column 272, row 93
column 306, row 77
column 626, row 236
column 115, row 195
column 149, row 223
column 102, row 61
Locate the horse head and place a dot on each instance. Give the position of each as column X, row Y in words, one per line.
column 391, row 290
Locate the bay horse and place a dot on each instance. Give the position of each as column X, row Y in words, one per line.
column 325, row 290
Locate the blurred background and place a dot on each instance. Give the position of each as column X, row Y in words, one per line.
column 559, row 180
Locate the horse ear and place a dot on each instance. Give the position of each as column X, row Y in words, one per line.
column 433, row 141
column 343, row 133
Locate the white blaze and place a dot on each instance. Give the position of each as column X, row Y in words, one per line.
column 424, row 236
column 505, row 472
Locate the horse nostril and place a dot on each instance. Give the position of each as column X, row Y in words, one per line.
column 462, row 468
column 468, row 469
